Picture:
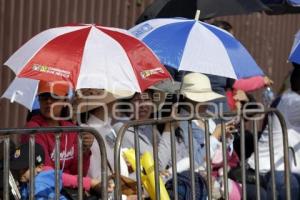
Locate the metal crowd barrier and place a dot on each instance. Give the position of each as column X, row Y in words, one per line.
column 57, row 131
column 205, row 118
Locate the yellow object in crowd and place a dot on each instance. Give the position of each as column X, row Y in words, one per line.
column 129, row 156
column 148, row 178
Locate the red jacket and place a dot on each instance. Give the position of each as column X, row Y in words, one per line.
column 68, row 146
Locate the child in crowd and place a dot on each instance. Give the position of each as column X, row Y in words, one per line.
column 45, row 176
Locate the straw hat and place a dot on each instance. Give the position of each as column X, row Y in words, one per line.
column 89, row 99
column 197, row 87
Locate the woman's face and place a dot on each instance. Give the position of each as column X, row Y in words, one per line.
column 50, row 107
column 143, row 106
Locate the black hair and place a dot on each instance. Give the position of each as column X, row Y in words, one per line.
column 223, row 25
column 229, row 83
column 249, row 106
column 128, row 100
column 168, row 106
column 295, row 80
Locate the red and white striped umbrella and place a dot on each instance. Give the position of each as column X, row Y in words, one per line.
column 89, row 56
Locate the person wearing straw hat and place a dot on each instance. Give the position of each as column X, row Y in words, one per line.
column 196, row 91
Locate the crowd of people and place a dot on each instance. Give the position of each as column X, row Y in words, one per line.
column 198, row 94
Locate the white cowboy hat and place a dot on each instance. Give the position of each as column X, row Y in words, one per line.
column 197, row 87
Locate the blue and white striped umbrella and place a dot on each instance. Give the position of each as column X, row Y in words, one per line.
column 196, row 46
column 295, row 52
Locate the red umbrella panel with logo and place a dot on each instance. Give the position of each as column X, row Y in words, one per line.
column 89, row 56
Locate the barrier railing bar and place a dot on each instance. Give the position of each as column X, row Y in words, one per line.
column 243, row 160
column 41, row 130
column 271, row 151
column 138, row 163
column 6, row 168
column 174, row 161
column 285, row 153
column 224, row 152
column 169, row 119
column 156, row 169
column 80, row 168
column 117, row 154
column 256, row 156
column 208, row 160
column 57, row 165
column 192, row 161
column 31, row 166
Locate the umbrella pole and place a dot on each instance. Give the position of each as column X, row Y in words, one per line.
column 197, row 15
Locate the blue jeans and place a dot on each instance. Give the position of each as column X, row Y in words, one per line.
column 184, row 187
column 280, row 185
column 251, row 192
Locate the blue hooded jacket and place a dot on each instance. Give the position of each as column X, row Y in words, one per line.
column 44, row 186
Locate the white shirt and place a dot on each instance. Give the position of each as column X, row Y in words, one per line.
column 289, row 106
column 106, row 131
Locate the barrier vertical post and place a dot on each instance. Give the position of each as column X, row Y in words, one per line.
column 80, row 169
column 243, row 160
column 156, row 170
column 225, row 168
column 6, row 168
column 271, row 151
column 57, row 165
column 137, row 162
column 256, row 156
column 174, row 162
column 208, row 160
column 191, row 151
column 31, row 166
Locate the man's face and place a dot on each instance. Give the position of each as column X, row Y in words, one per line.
column 47, row 107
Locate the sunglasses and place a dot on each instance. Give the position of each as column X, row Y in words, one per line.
column 49, row 96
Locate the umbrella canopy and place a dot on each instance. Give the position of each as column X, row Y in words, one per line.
column 295, row 52
column 208, row 8
column 278, row 7
column 195, row 46
column 23, row 91
column 87, row 56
